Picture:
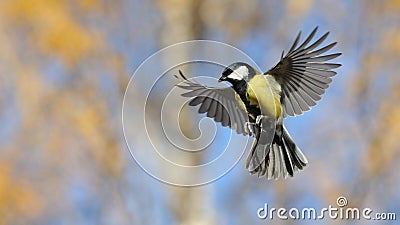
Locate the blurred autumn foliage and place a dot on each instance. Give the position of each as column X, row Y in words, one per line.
column 64, row 66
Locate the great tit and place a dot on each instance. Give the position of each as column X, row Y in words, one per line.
column 257, row 103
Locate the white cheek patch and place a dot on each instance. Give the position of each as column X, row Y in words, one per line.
column 240, row 73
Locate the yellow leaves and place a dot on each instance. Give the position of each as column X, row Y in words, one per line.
column 390, row 124
column 29, row 87
column 64, row 39
column 173, row 11
column 298, row 8
column 89, row 5
column 384, row 145
column 88, row 123
column 238, row 16
column 82, row 119
column 17, row 200
column 53, row 28
column 391, row 42
column 392, row 5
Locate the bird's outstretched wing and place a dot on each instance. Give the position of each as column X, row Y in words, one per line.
column 222, row 104
column 304, row 74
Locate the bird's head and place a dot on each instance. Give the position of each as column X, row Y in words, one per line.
column 237, row 72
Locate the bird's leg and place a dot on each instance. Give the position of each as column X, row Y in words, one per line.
column 265, row 122
column 249, row 127
column 259, row 119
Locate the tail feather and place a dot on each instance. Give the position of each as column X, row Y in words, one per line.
column 258, row 156
column 296, row 154
column 287, row 158
column 280, row 155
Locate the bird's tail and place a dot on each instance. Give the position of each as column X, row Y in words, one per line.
column 277, row 157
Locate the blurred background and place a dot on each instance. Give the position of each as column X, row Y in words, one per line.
column 64, row 67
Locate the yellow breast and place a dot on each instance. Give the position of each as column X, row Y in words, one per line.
column 261, row 95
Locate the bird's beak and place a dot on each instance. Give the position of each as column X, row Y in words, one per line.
column 221, row 79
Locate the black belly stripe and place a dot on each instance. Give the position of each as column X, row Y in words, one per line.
column 253, row 110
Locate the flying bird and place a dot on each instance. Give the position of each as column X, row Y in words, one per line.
column 256, row 103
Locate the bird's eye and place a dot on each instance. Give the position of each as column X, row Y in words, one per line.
column 227, row 71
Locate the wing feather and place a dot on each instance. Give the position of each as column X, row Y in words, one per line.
column 304, row 73
column 219, row 103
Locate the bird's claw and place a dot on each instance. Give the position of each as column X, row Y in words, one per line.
column 259, row 119
column 249, row 128
column 260, row 123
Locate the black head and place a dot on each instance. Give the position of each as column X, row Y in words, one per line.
column 237, row 72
